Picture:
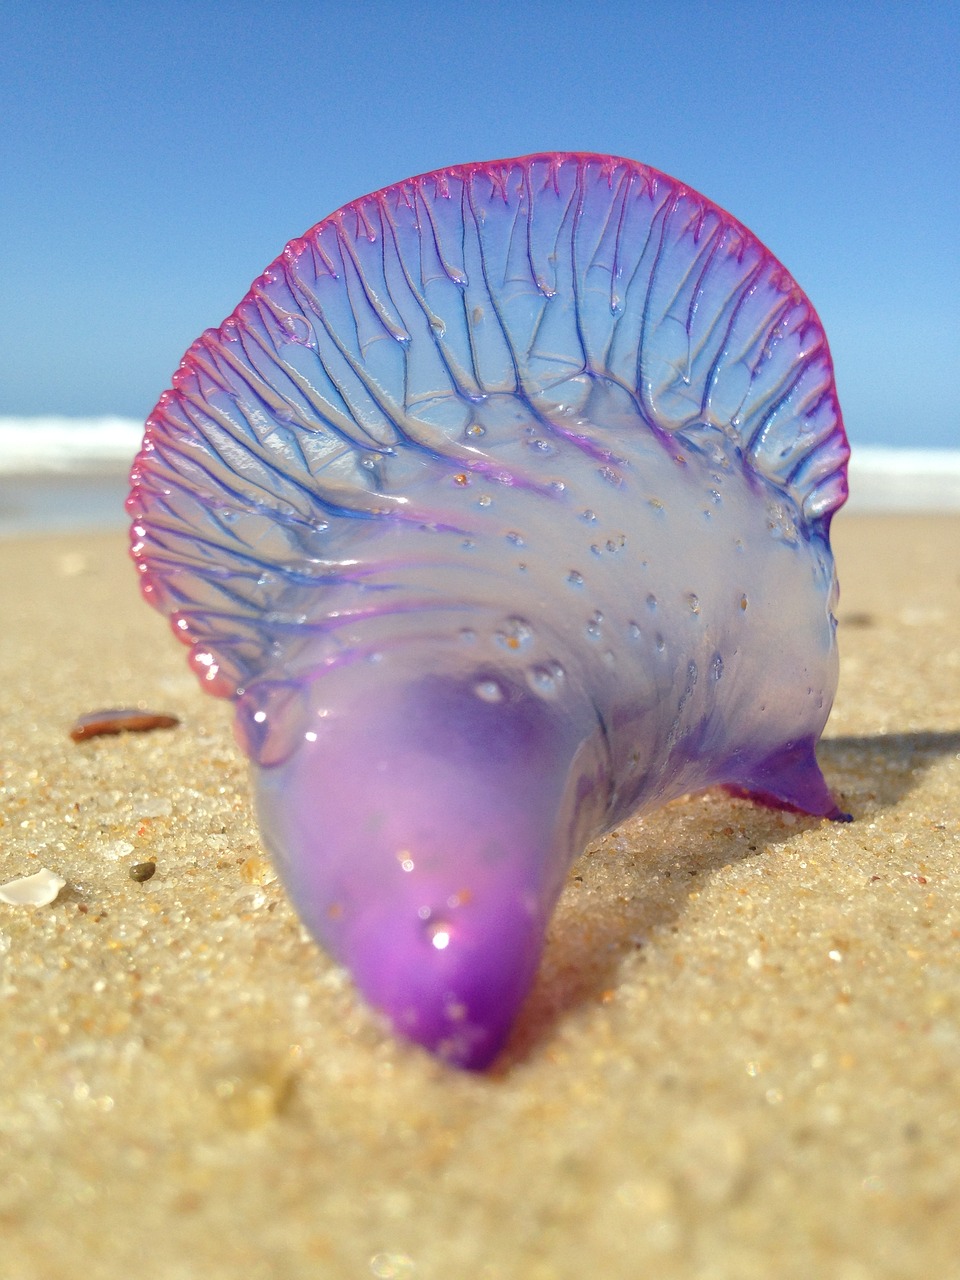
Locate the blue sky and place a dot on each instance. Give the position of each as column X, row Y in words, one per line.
column 154, row 158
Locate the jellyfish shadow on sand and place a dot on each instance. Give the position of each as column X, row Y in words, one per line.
column 609, row 911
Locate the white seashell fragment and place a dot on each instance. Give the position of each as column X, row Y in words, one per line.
column 37, row 890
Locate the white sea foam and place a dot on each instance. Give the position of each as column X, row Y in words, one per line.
column 31, row 446
column 881, row 479
column 898, row 480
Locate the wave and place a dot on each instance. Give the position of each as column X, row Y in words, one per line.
column 30, row 446
column 881, row 478
column 900, row 480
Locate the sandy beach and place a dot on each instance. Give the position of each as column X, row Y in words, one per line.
column 741, row 1060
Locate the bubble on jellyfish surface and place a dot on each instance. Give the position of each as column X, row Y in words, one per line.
column 500, row 508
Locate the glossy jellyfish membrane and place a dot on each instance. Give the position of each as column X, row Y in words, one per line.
column 500, row 507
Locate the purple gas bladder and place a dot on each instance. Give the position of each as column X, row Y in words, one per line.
column 500, row 507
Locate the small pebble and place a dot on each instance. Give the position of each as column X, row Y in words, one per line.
column 258, row 871
column 96, row 724
column 141, row 871
column 858, row 620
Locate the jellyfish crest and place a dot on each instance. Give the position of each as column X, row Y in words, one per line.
column 456, row 329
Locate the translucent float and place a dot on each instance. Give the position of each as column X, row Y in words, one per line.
column 500, row 508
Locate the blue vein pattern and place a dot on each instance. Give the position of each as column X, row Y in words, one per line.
column 408, row 335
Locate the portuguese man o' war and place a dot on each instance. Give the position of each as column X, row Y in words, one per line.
column 500, row 507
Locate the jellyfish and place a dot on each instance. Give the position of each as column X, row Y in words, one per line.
column 499, row 507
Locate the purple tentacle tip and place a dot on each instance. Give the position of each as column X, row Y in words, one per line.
column 500, row 507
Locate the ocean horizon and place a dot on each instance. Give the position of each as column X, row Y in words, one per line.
column 62, row 474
